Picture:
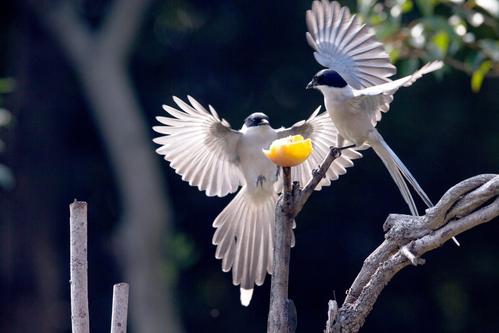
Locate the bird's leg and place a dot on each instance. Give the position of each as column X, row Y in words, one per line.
column 340, row 140
column 336, row 151
column 260, row 180
column 347, row 147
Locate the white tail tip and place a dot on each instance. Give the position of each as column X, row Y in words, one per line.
column 456, row 241
column 246, row 295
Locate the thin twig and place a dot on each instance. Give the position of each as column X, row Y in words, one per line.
column 332, row 312
column 317, row 176
column 78, row 267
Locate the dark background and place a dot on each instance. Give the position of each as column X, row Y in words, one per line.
column 241, row 57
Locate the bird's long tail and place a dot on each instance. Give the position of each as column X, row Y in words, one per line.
column 398, row 171
column 244, row 240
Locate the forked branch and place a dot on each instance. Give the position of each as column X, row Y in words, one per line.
column 466, row 205
column 282, row 313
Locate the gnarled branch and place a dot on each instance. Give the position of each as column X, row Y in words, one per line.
column 466, row 205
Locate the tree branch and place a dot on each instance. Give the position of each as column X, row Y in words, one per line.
column 282, row 312
column 317, row 176
column 466, row 205
column 279, row 320
column 120, row 29
column 63, row 23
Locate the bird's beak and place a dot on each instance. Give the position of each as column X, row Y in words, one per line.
column 311, row 84
column 264, row 121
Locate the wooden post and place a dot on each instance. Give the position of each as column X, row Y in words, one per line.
column 80, row 321
column 120, row 308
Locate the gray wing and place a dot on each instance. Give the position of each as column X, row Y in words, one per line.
column 377, row 99
column 321, row 130
column 200, row 146
column 345, row 45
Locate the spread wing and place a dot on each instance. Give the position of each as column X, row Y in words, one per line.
column 345, row 45
column 377, row 99
column 392, row 86
column 321, row 130
column 200, row 146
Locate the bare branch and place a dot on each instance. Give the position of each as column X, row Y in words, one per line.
column 404, row 250
column 279, row 320
column 317, row 176
column 282, row 312
column 475, row 199
column 114, row 40
column 63, row 23
column 332, row 312
column 437, row 213
column 465, row 206
column 78, row 267
column 121, row 27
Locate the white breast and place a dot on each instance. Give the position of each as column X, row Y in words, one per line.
column 352, row 123
column 259, row 172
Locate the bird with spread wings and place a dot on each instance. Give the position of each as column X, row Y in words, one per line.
column 210, row 155
column 356, row 85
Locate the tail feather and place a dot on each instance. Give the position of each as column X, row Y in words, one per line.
column 410, row 178
column 244, row 240
column 398, row 171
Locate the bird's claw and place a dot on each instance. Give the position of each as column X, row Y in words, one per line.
column 260, row 180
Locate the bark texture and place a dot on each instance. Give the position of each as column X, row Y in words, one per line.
column 466, row 205
column 80, row 321
column 282, row 313
column 279, row 315
column 120, row 308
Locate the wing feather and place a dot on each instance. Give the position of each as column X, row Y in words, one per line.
column 200, row 146
column 376, row 99
column 342, row 43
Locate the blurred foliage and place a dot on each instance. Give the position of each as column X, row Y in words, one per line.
column 6, row 177
column 453, row 301
column 182, row 255
column 463, row 33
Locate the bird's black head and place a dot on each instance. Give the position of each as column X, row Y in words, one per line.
column 256, row 119
column 327, row 77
